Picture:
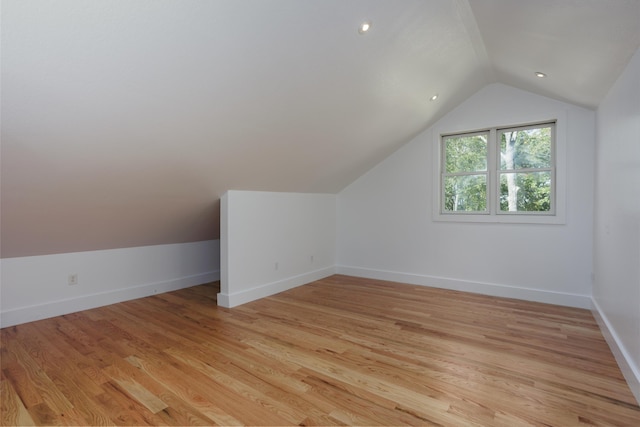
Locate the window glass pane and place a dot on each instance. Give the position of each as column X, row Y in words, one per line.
column 525, row 192
column 528, row 148
column 465, row 153
column 465, row 193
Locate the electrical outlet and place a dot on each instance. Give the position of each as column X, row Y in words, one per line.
column 73, row 279
column 276, row 266
column 311, row 259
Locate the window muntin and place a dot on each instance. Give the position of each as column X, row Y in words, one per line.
column 502, row 171
column 465, row 178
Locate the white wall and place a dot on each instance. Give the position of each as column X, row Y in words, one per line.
column 36, row 287
column 386, row 228
column 616, row 291
column 271, row 242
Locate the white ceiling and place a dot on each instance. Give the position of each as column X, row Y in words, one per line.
column 123, row 121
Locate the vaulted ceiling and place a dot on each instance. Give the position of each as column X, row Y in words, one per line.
column 123, row 121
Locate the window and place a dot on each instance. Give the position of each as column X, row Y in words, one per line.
column 499, row 171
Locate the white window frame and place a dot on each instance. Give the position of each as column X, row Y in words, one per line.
column 494, row 215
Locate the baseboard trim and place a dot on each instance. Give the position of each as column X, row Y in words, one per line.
column 630, row 371
column 238, row 298
column 86, row 302
column 498, row 290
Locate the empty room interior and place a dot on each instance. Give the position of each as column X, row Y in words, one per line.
column 320, row 212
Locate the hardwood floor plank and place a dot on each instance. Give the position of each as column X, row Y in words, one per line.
column 324, row 420
column 324, row 365
column 12, row 409
column 339, row 351
column 193, row 387
column 177, row 412
column 350, row 404
column 17, row 376
column 43, row 415
column 35, row 375
column 136, row 391
column 63, row 367
column 123, row 410
column 246, row 385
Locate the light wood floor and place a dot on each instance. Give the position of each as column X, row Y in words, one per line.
column 338, row 351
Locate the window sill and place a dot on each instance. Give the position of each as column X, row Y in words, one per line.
column 501, row 219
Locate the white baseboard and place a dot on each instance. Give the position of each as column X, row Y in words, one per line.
column 630, row 371
column 268, row 289
column 498, row 290
column 61, row 307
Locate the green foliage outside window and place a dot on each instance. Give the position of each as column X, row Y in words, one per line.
column 532, row 192
column 467, row 193
column 466, row 154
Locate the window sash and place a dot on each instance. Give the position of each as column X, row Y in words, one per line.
column 551, row 169
column 481, row 172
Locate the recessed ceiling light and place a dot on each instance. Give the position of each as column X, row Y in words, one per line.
column 434, row 97
column 364, row 27
column 539, row 74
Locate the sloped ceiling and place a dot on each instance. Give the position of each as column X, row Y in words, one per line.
column 124, row 121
